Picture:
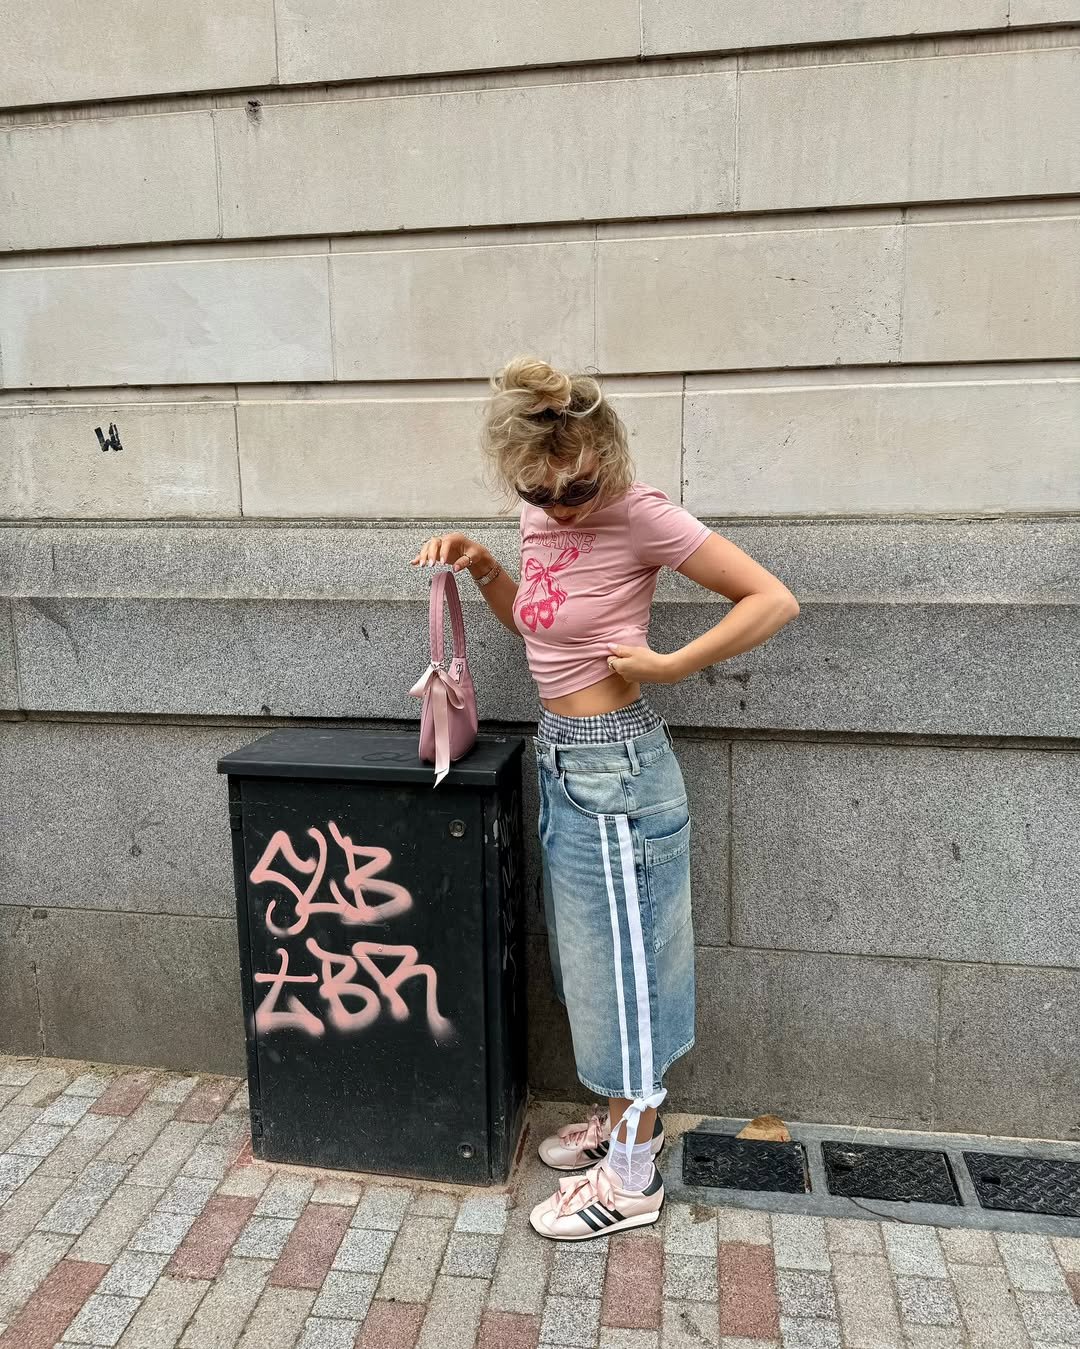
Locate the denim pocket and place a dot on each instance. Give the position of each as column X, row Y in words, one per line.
column 593, row 794
column 667, row 883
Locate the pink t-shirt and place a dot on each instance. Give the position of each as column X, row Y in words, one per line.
column 585, row 586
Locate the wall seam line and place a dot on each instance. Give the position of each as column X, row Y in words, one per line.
column 10, row 606
column 277, row 53
column 682, row 443
column 935, row 1066
column 330, row 310
column 236, row 442
column 595, row 294
column 735, row 151
column 731, row 844
column 905, row 226
column 217, row 176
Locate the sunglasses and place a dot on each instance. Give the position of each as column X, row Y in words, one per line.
column 575, row 494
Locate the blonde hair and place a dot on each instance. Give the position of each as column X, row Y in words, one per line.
column 542, row 428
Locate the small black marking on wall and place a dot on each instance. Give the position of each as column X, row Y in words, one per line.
column 112, row 442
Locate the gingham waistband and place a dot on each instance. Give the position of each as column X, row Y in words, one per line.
column 606, row 728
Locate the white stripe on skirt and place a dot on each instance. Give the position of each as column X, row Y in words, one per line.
column 616, row 941
column 648, row 1098
column 637, row 950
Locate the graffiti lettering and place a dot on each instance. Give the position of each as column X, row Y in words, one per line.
column 351, row 1003
column 267, row 1017
column 358, row 878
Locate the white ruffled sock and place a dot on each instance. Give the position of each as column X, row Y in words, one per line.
column 634, row 1168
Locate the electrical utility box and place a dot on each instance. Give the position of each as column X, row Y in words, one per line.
column 381, row 952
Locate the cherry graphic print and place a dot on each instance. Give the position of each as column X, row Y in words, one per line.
column 545, row 596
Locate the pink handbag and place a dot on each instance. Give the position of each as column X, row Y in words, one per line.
column 448, row 719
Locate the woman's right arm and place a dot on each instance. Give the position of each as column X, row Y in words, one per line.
column 465, row 554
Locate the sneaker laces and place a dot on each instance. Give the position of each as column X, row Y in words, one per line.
column 577, row 1192
column 588, row 1135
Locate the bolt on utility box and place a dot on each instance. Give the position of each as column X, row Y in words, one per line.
column 381, row 952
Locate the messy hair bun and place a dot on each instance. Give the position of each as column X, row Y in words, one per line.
column 543, row 427
column 541, row 386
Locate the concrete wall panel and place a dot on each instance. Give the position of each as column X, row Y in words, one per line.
column 476, row 158
column 857, row 134
column 373, row 458
column 813, row 1037
column 1044, row 11
column 9, row 684
column 177, row 460
column 950, row 669
column 1009, row 287
column 183, row 322
column 444, row 313
column 898, row 562
column 108, row 181
column 776, row 298
column 147, row 830
column 20, row 1031
column 700, row 25
column 364, row 39
column 876, row 447
column 120, row 50
column 1008, row 1062
column 950, row 854
column 139, row 988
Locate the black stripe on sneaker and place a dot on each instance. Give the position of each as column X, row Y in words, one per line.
column 602, row 1213
column 617, row 1216
column 586, row 1217
column 657, row 1183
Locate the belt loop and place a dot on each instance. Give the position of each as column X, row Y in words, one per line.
column 635, row 762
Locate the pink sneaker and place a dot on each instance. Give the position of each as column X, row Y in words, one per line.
column 579, row 1145
column 595, row 1204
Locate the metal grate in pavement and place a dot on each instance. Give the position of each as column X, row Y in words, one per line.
column 719, row 1160
column 902, row 1175
column 974, row 1181
column 1025, row 1184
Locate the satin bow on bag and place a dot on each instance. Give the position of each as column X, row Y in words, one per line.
column 448, row 720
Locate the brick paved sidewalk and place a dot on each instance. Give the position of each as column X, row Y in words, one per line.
column 134, row 1215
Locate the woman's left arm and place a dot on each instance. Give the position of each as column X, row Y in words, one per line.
column 762, row 604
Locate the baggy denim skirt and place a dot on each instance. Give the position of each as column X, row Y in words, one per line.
column 614, row 832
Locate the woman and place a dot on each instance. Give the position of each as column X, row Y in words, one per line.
column 614, row 825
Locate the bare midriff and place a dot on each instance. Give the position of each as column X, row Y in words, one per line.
column 606, row 696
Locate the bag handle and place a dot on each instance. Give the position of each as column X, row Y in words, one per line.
column 444, row 589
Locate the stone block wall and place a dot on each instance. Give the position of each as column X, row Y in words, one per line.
column 828, row 264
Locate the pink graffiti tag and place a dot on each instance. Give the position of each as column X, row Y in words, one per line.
column 336, row 984
column 267, row 1017
column 357, row 880
column 337, row 980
